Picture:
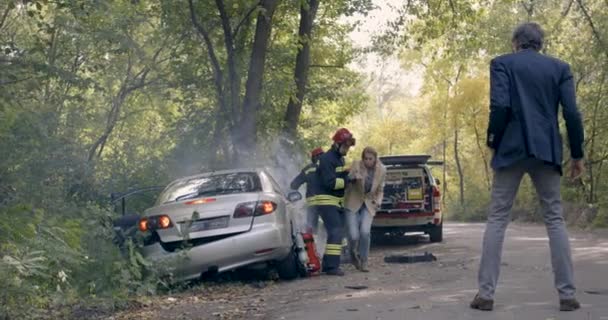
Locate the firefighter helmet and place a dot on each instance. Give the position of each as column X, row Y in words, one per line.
column 316, row 152
column 344, row 136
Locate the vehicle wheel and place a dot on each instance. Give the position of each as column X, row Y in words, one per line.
column 288, row 267
column 436, row 234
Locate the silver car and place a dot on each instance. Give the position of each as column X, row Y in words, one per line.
column 220, row 221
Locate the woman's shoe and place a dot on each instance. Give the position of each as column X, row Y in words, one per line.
column 354, row 255
column 364, row 267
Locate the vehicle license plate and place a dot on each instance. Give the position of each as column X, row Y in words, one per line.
column 210, row 224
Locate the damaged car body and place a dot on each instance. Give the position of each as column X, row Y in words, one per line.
column 221, row 221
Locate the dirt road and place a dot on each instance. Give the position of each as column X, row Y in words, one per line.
column 435, row 290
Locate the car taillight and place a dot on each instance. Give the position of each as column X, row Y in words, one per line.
column 155, row 222
column 436, row 199
column 164, row 222
column 436, row 192
column 265, row 207
column 143, row 225
column 248, row 209
column 244, row 210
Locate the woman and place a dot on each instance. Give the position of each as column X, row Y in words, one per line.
column 362, row 198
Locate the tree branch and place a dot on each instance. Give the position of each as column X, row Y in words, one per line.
column 592, row 25
column 205, row 35
column 340, row 66
column 9, row 82
column 247, row 16
column 4, row 16
column 235, row 81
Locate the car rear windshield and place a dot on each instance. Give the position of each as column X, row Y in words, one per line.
column 211, row 185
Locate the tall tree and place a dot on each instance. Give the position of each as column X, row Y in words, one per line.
column 308, row 11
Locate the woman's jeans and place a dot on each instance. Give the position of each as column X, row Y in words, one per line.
column 359, row 225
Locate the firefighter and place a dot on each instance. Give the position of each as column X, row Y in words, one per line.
column 308, row 175
column 329, row 200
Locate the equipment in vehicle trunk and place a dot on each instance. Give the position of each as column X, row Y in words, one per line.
column 412, row 200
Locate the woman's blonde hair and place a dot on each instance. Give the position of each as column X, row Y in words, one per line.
column 369, row 150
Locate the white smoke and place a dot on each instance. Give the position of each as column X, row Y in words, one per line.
column 287, row 161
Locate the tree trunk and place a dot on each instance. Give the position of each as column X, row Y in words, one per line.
column 246, row 135
column 97, row 149
column 444, row 182
column 483, row 155
column 592, row 188
column 225, row 119
column 459, row 167
column 308, row 11
column 233, row 78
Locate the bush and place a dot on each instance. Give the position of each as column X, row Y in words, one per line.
column 600, row 220
column 51, row 263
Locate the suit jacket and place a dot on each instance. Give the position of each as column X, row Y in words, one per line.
column 355, row 194
column 526, row 89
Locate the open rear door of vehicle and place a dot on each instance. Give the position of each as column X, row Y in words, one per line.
column 408, row 188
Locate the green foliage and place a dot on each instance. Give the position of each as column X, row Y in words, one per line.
column 601, row 220
column 106, row 96
column 453, row 43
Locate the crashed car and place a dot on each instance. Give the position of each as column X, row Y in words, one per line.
column 220, row 221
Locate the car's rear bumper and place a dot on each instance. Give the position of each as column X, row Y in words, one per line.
column 407, row 222
column 264, row 242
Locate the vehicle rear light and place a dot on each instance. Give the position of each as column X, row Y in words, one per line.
column 201, row 201
column 143, row 225
column 436, row 199
column 155, row 222
column 436, row 192
column 249, row 209
column 265, row 207
column 244, row 210
column 164, row 222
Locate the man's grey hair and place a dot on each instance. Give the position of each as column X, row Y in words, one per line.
column 528, row 35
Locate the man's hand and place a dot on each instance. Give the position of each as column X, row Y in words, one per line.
column 577, row 169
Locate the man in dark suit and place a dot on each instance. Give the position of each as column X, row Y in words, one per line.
column 526, row 89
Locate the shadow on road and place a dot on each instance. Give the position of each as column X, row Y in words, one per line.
column 392, row 241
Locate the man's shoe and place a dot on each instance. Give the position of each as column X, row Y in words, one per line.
column 569, row 305
column 335, row 272
column 482, row 304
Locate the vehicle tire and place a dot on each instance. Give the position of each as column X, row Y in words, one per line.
column 288, row 268
column 436, row 234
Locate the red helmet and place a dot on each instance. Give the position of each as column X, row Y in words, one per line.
column 344, row 136
column 316, row 151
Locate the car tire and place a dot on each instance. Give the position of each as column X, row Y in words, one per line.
column 436, row 234
column 288, row 268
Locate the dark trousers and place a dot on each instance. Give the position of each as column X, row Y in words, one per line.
column 334, row 225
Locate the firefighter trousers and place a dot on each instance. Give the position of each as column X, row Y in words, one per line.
column 334, row 225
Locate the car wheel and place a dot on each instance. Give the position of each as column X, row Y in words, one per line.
column 288, row 267
column 436, row 234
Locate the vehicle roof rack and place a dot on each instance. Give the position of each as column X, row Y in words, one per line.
column 403, row 160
